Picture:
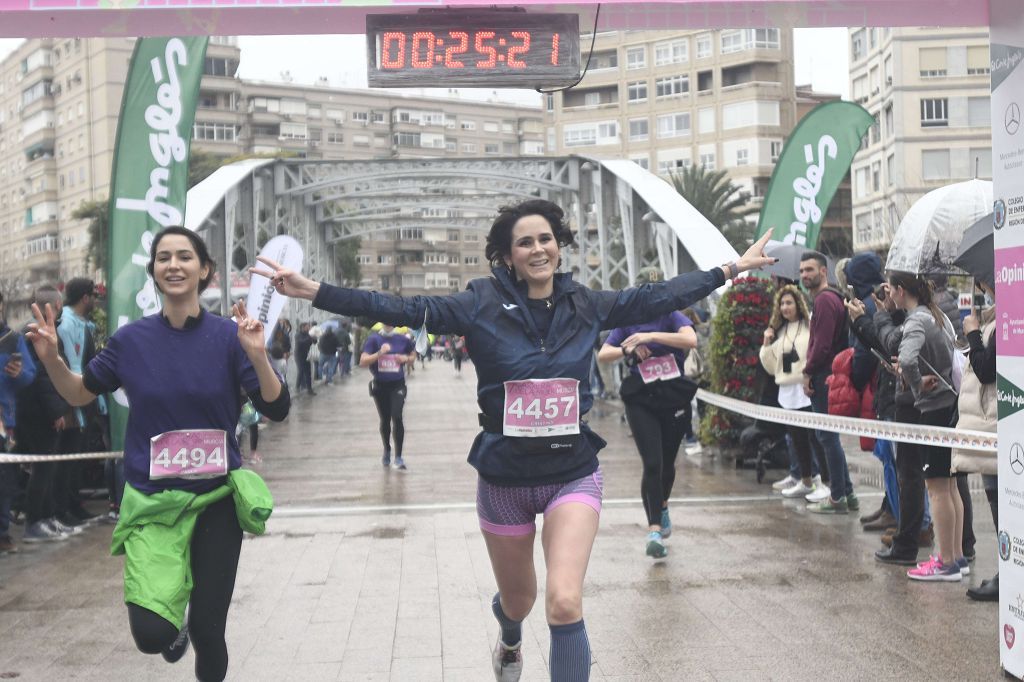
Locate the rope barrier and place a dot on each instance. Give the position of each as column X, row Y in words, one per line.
column 892, row 431
column 14, row 458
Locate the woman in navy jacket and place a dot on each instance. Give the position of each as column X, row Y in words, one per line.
column 530, row 332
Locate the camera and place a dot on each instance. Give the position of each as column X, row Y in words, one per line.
column 788, row 358
column 979, row 301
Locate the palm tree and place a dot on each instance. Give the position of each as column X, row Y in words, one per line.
column 721, row 202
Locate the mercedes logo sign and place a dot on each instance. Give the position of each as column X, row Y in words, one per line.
column 1012, row 118
column 1017, row 458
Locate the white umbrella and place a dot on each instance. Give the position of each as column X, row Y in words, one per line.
column 929, row 235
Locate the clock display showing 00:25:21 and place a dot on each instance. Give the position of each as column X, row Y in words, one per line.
column 475, row 50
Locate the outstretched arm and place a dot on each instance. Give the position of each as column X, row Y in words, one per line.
column 43, row 335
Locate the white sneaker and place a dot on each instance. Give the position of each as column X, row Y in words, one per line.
column 799, row 490
column 507, row 662
column 787, row 482
column 820, row 494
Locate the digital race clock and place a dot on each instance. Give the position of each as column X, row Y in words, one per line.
column 487, row 49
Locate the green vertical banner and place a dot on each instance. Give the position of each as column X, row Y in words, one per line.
column 813, row 163
column 150, row 177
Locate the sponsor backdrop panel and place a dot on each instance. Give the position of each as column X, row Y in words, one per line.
column 1007, row 52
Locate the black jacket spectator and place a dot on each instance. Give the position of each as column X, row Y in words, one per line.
column 328, row 344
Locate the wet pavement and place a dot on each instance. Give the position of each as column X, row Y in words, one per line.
column 374, row 574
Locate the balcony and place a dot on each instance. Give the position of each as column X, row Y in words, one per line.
column 43, row 163
column 43, row 265
column 40, row 104
column 38, row 196
column 265, row 117
column 42, row 139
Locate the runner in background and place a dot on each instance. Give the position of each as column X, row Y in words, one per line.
column 656, row 396
column 387, row 353
column 186, row 501
column 530, row 333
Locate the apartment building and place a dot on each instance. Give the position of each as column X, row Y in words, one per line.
column 666, row 99
column 928, row 90
column 59, row 103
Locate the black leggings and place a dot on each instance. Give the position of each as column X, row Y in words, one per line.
column 216, row 544
column 658, row 435
column 390, row 399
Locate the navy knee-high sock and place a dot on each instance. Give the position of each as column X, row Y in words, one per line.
column 570, row 653
column 511, row 630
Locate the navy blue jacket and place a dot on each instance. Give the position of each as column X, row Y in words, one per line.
column 505, row 345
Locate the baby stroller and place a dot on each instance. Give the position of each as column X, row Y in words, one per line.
column 764, row 443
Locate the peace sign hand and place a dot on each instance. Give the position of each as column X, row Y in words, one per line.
column 43, row 334
column 250, row 331
column 285, row 280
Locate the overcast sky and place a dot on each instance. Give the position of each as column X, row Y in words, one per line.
column 820, row 58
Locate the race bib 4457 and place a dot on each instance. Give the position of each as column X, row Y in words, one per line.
column 541, row 407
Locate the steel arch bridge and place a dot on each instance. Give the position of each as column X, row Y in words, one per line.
column 622, row 216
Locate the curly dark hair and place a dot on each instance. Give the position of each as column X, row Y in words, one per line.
column 499, row 239
column 198, row 245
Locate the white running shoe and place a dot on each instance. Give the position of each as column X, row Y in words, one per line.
column 787, row 482
column 820, row 494
column 508, row 662
column 799, row 490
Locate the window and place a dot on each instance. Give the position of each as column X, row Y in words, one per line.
column 592, row 99
column 293, row 107
column 666, row 166
column 979, row 112
column 314, row 111
column 887, row 69
column 735, row 40
column 549, row 102
column 981, row 162
column 336, row 138
column 857, row 47
column 214, row 66
column 776, row 150
column 889, row 123
column 872, row 38
column 338, row 116
column 636, row 57
column 932, row 62
column 890, row 170
column 674, row 125
column 671, row 52
column 471, row 260
column 639, row 129
column 742, row 157
column 385, row 259
column 704, row 46
column 215, row 132
column 875, row 131
column 706, row 120
column 469, row 148
column 532, row 148
column 378, row 117
column 876, row 176
column 750, row 113
column 707, row 160
column 934, row 112
column 364, row 259
column 935, row 164
column 637, row 91
column 316, row 134
column 410, row 233
column 491, row 148
column 860, row 182
column 293, row 131
column 641, row 161
column 407, row 139
column 490, row 127
column 671, row 86
column 977, row 60
column 467, row 125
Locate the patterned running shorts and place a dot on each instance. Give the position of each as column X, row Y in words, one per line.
column 512, row 510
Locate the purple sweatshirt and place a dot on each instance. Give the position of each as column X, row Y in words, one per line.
column 175, row 379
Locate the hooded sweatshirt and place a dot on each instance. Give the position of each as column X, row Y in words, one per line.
column 863, row 273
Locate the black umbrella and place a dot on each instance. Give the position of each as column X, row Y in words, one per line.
column 976, row 254
column 788, row 265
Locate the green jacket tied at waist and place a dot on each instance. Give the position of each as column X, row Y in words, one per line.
column 154, row 533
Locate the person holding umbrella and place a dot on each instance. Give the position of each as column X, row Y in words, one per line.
column 977, row 401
